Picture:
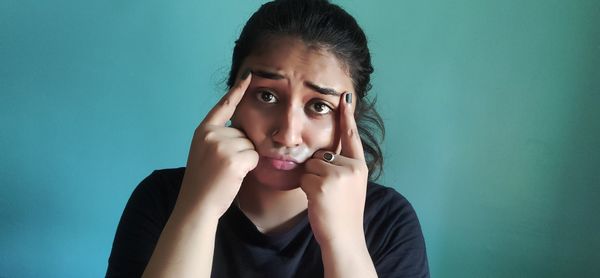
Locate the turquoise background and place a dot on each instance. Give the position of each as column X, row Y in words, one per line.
column 492, row 113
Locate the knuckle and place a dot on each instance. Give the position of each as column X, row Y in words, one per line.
column 364, row 167
column 357, row 169
column 228, row 162
column 226, row 101
column 238, row 132
column 248, row 160
column 237, row 87
column 336, row 175
column 354, row 170
column 222, row 150
column 350, row 132
column 208, row 136
column 199, row 131
column 247, row 142
column 255, row 158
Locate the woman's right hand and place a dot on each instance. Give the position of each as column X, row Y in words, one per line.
column 219, row 158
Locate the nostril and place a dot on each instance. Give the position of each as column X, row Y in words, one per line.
column 286, row 137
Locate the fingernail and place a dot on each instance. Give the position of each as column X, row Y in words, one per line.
column 245, row 74
column 348, row 97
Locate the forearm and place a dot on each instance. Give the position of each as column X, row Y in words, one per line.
column 185, row 247
column 347, row 259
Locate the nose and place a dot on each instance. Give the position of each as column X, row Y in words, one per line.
column 287, row 130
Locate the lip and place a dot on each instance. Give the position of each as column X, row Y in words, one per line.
column 283, row 163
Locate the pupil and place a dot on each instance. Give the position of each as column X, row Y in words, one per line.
column 267, row 97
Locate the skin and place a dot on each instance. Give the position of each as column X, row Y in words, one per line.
column 278, row 115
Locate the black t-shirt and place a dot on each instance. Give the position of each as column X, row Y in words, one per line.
column 392, row 230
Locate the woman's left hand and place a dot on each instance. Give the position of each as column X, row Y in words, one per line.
column 336, row 189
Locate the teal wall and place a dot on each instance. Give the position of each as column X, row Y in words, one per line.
column 492, row 113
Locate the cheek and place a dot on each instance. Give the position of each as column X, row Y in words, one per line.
column 250, row 120
column 321, row 134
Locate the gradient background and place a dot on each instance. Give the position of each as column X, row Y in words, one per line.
column 492, row 111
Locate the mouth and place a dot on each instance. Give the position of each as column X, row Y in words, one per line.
column 282, row 162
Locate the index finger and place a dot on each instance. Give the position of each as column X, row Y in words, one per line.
column 224, row 109
column 349, row 137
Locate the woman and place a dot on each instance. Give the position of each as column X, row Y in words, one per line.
column 284, row 190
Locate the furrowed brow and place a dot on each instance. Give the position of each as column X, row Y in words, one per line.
column 277, row 76
column 322, row 90
column 268, row 74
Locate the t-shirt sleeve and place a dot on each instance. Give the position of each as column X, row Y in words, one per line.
column 140, row 226
column 396, row 241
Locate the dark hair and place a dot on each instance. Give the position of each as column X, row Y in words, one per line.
column 327, row 26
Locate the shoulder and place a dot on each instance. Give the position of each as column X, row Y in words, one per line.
column 385, row 200
column 142, row 221
column 161, row 181
column 158, row 192
column 170, row 177
column 387, row 209
column 393, row 234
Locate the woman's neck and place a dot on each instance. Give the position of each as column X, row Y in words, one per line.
column 271, row 211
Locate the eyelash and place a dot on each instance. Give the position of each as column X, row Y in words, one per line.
column 262, row 93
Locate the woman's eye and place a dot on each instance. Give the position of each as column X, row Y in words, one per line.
column 320, row 108
column 266, row 97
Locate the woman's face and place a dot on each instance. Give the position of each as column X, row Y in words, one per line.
column 290, row 109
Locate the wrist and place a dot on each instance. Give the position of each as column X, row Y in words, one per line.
column 347, row 257
column 198, row 203
column 195, row 215
column 345, row 244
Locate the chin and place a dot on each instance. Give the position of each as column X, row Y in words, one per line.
column 276, row 179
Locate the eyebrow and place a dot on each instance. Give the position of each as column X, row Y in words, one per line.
column 267, row 74
column 277, row 76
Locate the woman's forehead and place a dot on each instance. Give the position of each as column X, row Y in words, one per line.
column 290, row 59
